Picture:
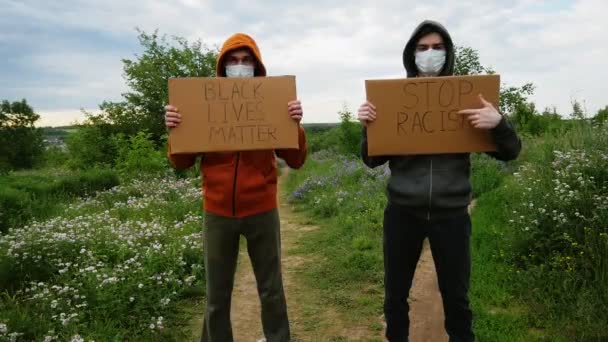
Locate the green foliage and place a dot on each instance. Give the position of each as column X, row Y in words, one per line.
column 55, row 157
column 20, row 142
column 551, row 220
column 349, row 133
column 467, row 62
column 37, row 195
column 548, row 122
column 512, row 97
column 601, row 117
column 323, row 140
column 528, row 121
column 344, row 138
column 499, row 315
column 91, row 146
column 577, row 111
column 15, row 207
column 88, row 182
column 113, row 267
column 147, row 76
column 486, row 174
column 523, row 116
column 137, row 155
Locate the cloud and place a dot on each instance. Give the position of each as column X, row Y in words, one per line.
column 68, row 55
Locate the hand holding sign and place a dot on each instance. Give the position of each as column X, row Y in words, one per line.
column 366, row 113
column 295, row 110
column 486, row 117
column 172, row 117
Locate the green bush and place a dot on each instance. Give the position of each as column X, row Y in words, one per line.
column 137, row 155
column 344, row 138
column 15, row 207
column 324, row 140
column 55, row 157
column 486, row 173
column 91, row 146
column 349, row 134
column 21, row 143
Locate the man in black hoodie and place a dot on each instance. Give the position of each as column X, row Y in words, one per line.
column 428, row 196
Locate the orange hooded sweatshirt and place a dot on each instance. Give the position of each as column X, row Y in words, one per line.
column 239, row 184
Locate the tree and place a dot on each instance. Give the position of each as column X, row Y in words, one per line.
column 577, row 110
column 92, row 146
column 523, row 116
column 513, row 97
column 147, row 76
column 20, row 142
column 349, row 133
column 467, row 63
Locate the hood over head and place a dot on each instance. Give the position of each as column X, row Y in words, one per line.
column 236, row 42
column 426, row 27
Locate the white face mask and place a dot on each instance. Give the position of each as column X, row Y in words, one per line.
column 430, row 62
column 239, row 70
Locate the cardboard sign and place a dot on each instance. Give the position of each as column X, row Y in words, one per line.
column 233, row 114
column 420, row 115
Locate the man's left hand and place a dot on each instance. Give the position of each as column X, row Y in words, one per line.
column 486, row 117
column 295, row 110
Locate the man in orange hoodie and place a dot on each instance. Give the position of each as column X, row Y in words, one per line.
column 240, row 198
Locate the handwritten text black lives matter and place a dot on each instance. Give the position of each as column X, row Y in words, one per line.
column 445, row 96
column 235, row 113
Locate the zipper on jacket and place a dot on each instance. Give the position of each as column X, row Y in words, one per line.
column 236, row 168
column 428, row 216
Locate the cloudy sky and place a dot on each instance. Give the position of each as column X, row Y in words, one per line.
column 66, row 55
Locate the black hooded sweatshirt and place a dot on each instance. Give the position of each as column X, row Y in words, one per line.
column 436, row 186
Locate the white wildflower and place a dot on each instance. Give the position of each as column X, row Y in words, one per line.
column 77, row 338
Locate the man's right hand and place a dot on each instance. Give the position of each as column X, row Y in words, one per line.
column 366, row 113
column 172, row 117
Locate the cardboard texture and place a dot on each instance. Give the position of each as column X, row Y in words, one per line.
column 420, row 115
column 233, row 114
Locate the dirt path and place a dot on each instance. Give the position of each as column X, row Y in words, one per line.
column 327, row 324
column 426, row 308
